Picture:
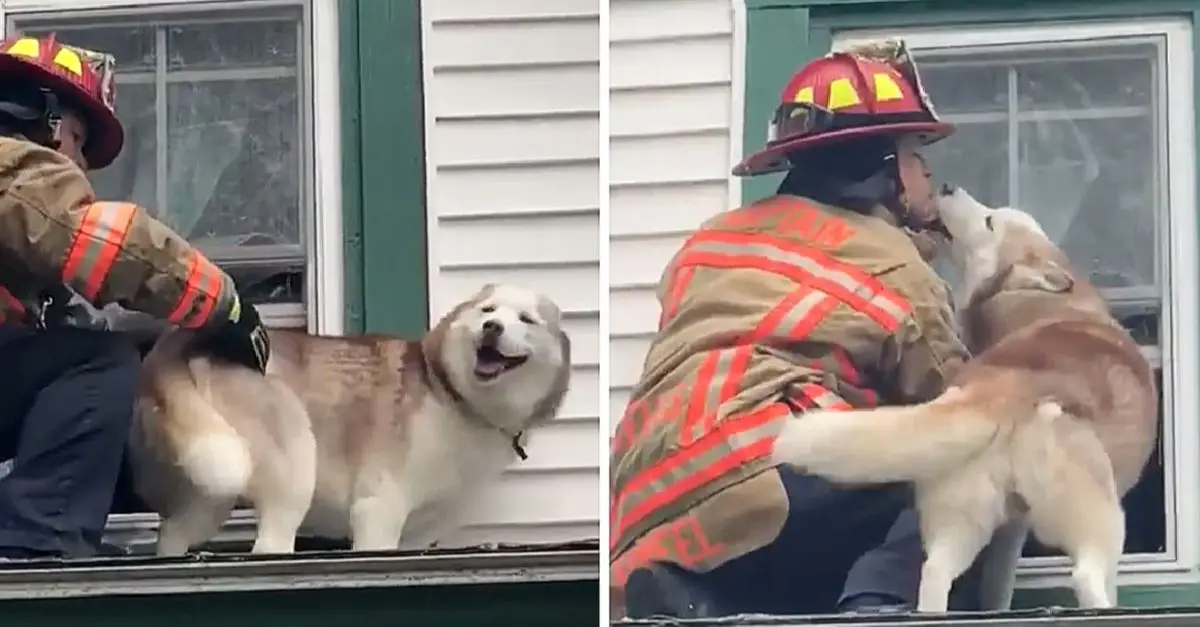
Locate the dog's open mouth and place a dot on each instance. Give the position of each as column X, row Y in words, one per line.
column 937, row 226
column 491, row 363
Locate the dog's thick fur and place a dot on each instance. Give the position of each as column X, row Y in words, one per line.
column 373, row 438
column 1049, row 425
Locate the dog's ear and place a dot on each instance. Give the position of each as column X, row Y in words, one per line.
column 1046, row 276
column 565, row 341
column 485, row 292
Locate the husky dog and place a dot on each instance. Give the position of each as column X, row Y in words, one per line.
column 1049, row 425
column 374, row 438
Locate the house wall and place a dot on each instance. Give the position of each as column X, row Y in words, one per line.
column 512, row 186
column 673, row 110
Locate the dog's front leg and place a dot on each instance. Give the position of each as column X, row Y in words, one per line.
column 442, row 519
column 377, row 517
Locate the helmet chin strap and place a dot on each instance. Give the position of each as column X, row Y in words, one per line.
column 886, row 188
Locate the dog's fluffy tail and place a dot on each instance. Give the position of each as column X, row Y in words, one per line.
column 210, row 452
column 887, row 444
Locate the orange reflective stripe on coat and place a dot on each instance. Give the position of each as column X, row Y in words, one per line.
column 715, row 383
column 95, row 247
column 676, row 288
column 732, row 443
column 11, row 303
column 794, row 317
column 813, row 396
column 199, row 297
column 861, row 291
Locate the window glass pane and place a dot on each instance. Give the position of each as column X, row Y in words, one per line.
column 976, row 158
column 1091, row 184
column 1124, row 79
column 131, row 175
column 237, row 44
column 1085, row 127
column 970, row 87
column 133, row 46
column 245, row 191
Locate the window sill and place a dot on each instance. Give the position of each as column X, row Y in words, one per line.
column 1158, row 617
column 311, row 571
column 1147, row 570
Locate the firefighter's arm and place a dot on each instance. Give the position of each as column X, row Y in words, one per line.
column 926, row 352
column 107, row 252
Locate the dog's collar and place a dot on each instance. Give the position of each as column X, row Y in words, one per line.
column 441, row 382
column 516, row 445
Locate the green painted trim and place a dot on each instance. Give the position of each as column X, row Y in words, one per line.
column 1186, row 595
column 352, row 252
column 785, row 4
column 395, row 252
column 927, row 13
column 566, row 604
column 384, row 166
column 768, row 67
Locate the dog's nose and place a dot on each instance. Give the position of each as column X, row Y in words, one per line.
column 947, row 190
column 493, row 327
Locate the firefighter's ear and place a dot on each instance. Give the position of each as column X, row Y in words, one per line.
column 1046, row 276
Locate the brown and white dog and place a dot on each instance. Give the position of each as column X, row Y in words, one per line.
column 374, row 438
column 1049, row 425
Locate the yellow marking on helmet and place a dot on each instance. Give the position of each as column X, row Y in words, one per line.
column 842, row 94
column 69, row 60
column 886, row 88
column 805, row 95
column 26, row 47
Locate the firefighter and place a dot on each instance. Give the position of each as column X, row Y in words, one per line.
column 814, row 297
column 69, row 392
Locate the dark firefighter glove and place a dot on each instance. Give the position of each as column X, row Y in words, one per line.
column 242, row 339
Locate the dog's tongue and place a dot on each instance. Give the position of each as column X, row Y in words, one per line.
column 489, row 367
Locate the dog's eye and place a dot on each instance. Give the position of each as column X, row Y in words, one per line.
column 527, row 319
column 488, row 309
column 988, row 223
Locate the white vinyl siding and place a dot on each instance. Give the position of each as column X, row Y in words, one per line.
column 512, row 96
column 671, row 99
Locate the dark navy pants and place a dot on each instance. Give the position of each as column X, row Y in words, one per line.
column 836, row 545
column 66, row 404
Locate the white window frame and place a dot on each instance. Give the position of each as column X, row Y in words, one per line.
column 323, row 309
column 1181, row 312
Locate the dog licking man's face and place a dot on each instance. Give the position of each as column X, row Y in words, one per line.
column 977, row 233
column 510, row 329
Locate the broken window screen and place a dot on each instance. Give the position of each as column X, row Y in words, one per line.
column 1074, row 134
column 214, row 140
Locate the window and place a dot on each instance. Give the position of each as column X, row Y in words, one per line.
column 1071, row 132
column 215, row 135
column 1089, row 127
column 218, row 144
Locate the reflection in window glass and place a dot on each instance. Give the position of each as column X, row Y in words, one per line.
column 1077, row 141
column 1071, row 134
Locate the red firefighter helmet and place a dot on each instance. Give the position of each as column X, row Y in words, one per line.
column 80, row 79
column 867, row 91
